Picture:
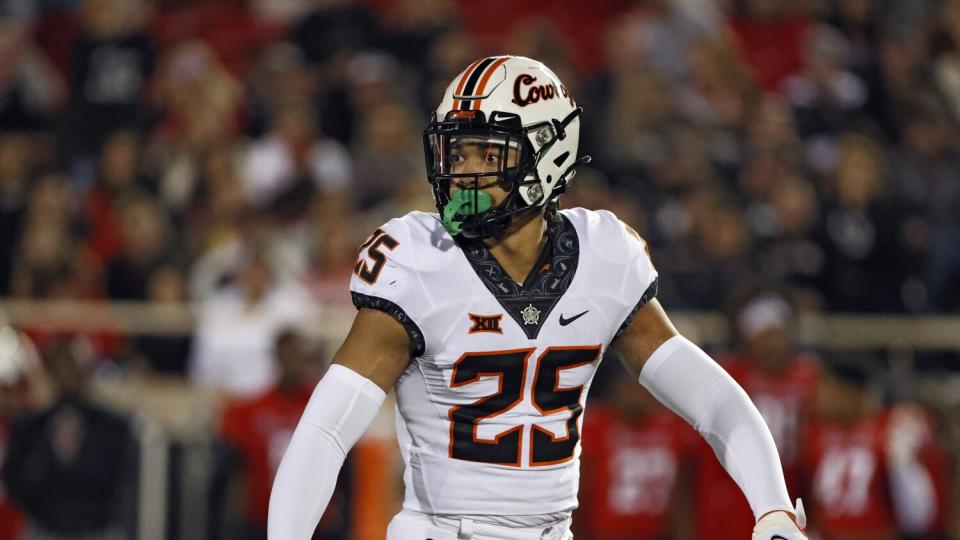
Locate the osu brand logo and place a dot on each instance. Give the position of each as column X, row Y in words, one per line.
column 485, row 323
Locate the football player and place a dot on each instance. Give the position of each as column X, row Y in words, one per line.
column 872, row 470
column 489, row 320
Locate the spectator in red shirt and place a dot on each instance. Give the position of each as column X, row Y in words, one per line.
column 258, row 430
column 771, row 35
column 870, row 468
column 781, row 383
column 634, row 451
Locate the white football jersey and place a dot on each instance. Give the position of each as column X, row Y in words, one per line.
column 489, row 409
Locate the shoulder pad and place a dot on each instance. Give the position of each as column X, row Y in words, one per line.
column 386, row 276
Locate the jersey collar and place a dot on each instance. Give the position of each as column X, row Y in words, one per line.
column 530, row 303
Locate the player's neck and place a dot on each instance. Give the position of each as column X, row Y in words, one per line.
column 518, row 250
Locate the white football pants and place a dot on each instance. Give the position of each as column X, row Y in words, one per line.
column 409, row 525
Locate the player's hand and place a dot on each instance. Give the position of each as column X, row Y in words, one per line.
column 782, row 525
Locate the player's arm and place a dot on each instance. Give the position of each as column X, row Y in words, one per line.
column 691, row 384
column 345, row 401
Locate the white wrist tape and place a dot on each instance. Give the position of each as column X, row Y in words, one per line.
column 341, row 408
column 691, row 384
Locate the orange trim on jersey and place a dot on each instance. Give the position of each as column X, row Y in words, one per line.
column 483, row 81
column 534, row 428
column 556, row 387
column 463, row 81
column 499, row 376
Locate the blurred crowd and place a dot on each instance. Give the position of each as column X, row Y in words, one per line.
column 150, row 150
column 234, row 154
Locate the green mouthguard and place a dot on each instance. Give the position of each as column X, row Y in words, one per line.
column 461, row 205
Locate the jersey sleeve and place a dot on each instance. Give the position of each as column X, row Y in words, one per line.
column 385, row 278
column 640, row 277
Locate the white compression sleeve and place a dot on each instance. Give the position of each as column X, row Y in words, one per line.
column 691, row 384
column 341, row 408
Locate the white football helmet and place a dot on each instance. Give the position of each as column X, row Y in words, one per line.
column 518, row 107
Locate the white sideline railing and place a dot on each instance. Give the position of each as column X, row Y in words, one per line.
column 152, row 489
column 838, row 331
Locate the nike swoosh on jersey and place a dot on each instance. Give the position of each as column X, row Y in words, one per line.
column 564, row 321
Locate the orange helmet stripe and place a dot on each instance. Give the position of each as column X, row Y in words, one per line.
column 463, row 81
column 483, row 81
